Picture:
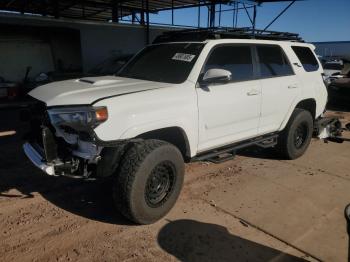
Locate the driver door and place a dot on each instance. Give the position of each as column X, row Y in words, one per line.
column 229, row 112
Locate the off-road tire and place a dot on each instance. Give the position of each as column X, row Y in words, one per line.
column 288, row 144
column 130, row 189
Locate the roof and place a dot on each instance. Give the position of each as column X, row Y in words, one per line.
column 200, row 35
column 103, row 10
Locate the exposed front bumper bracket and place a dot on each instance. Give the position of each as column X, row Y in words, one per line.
column 38, row 160
column 331, row 129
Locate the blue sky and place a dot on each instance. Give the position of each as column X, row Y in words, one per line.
column 314, row 20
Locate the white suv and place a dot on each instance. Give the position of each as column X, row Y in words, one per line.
column 176, row 102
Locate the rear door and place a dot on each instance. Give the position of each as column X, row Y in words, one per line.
column 279, row 86
column 310, row 72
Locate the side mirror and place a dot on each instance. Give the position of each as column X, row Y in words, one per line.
column 216, row 75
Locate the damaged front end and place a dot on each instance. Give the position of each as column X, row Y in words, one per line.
column 62, row 141
column 331, row 129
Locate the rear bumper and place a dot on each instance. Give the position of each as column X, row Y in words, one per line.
column 38, row 160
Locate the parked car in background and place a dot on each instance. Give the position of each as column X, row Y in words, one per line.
column 339, row 87
column 333, row 68
column 7, row 89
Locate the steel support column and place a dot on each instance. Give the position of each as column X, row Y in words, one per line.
column 142, row 14
column 212, row 15
column 172, row 12
column 147, row 25
column 199, row 14
column 254, row 20
column 56, row 9
column 115, row 11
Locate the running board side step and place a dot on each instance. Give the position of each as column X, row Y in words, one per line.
column 228, row 152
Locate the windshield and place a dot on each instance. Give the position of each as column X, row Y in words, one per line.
column 111, row 65
column 169, row 63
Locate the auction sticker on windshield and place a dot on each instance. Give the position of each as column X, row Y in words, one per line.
column 183, row 57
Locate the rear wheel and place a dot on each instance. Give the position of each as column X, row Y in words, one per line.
column 296, row 137
column 149, row 181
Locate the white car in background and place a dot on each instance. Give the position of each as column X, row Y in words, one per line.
column 333, row 68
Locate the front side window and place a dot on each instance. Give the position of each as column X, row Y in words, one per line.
column 236, row 59
column 272, row 61
column 169, row 63
column 306, row 57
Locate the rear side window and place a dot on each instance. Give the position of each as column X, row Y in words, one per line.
column 236, row 59
column 307, row 58
column 273, row 62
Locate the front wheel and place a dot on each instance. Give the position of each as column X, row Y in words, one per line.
column 296, row 137
column 149, row 181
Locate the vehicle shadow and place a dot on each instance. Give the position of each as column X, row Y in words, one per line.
column 190, row 240
column 20, row 179
column 261, row 153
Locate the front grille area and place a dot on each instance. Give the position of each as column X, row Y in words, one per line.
column 41, row 132
column 49, row 144
column 35, row 115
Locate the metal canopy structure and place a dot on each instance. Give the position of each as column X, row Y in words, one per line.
column 100, row 10
column 138, row 11
column 113, row 10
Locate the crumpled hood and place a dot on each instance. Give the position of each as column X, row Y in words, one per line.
column 90, row 89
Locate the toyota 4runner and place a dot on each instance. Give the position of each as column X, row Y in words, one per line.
column 175, row 102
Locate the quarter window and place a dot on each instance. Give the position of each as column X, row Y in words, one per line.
column 307, row 58
column 273, row 62
column 236, row 59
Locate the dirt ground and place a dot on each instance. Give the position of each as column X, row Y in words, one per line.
column 256, row 207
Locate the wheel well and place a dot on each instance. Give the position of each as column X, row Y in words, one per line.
column 172, row 135
column 309, row 105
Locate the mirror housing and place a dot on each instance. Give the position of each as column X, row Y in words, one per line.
column 216, row 75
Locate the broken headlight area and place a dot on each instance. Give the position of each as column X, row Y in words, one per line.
column 75, row 124
column 63, row 141
column 78, row 116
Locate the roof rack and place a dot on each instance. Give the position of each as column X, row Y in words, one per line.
column 203, row 34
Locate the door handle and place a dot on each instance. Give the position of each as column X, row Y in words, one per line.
column 292, row 86
column 253, row 93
